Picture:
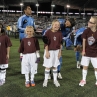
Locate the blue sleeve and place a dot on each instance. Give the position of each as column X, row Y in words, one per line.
column 19, row 25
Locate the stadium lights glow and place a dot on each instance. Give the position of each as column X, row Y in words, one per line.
column 21, row 4
column 37, row 4
column 68, row 6
column 53, row 5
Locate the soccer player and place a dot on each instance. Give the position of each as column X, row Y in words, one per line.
column 23, row 21
column 5, row 45
column 53, row 43
column 89, row 52
column 29, row 46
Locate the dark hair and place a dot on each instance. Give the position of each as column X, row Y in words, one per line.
column 25, row 7
column 72, row 21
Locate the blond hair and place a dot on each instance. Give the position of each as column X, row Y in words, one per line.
column 95, row 20
column 29, row 27
column 55, row 20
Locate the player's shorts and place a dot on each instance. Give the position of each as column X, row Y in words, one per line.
column 53, row 61
column 28, row 64
column 3, row 66
column 86, row 60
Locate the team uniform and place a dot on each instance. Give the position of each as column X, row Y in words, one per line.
column 24, row 21
column 4, row 44
column 91, row 53
column 28, row 47
column 54, row 42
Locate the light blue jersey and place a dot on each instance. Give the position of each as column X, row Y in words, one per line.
column 24, row 21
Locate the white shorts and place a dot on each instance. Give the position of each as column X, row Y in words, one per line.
column 86, row 60
column 3, row 66
column 28, row 64
column 53, row 61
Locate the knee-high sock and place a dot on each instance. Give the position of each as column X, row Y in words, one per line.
column 32, row 77
column 77, row 55
column 3, row 74
column 46, row 74
column 84, row 74
column 55, row 74
column 27, row 77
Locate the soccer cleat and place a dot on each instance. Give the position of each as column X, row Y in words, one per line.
column 32, row 83
column 78, row 66
column 2, row 82
column 45, row 83
column 96, row 83
column 49, row 76
column 56, row 83
column 59, row 76
column 82, row 83
column 27, row 84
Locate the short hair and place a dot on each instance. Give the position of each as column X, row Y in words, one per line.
column 72, row 21
column 25, row 7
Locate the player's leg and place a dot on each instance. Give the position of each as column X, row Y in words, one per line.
column 47, row 71
column 85, row 62
column 59, row 68
column 94, row 63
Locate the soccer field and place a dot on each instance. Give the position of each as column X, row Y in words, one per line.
column 15, row 87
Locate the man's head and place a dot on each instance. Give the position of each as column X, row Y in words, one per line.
column 70, row 22
column 27, row 10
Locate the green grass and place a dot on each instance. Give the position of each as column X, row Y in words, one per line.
column 14, row 86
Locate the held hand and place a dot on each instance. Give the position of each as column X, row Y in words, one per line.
column 47, row 55
column 37, row 60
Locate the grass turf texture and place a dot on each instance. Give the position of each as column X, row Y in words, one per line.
column 14, row 86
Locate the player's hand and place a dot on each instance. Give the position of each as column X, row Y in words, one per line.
column 83, row 53
column 59, row 55
column 47, row 55
column 7, row 56
column 37, row 60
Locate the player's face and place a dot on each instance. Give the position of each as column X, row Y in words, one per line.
column 91, row 23
column 67, row 23
column 56, row 26
column 29, row 32
column 28, row 11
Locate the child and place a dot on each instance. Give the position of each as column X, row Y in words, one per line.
column 5, row 45
column 89, row 52
column 53, row 43
column 30, row 48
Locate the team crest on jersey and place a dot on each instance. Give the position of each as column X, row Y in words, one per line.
column 54, row 38
column 29, row 43
column 91, row 40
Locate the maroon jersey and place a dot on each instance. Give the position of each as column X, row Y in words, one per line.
column 91, row 42
column 4, row 43
column 55, row 39
column 29, row 45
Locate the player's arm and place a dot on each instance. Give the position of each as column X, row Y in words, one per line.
column 8, row 50
column 83, row 51
column 20, row 24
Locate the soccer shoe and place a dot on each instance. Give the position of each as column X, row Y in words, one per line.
column 38, row 60
column 45, row 83
column 56, row 83
column 96, row 83
column 27, row 84
column 59, row 76
column 78, row 66
column 2, row 82
column 82, row 83
column 49, row 76
column 32, row 83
